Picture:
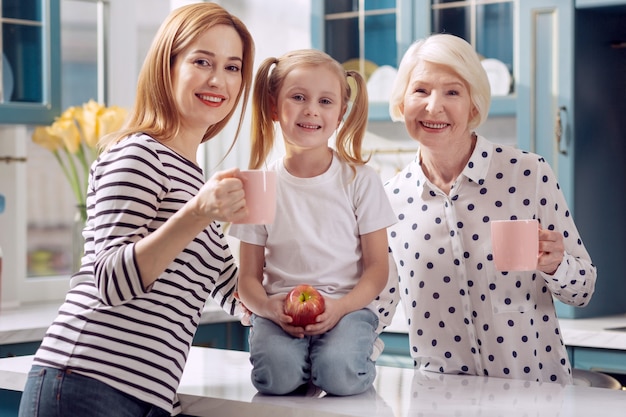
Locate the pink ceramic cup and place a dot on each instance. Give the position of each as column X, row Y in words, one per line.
column 260, row 190
column 515, row 244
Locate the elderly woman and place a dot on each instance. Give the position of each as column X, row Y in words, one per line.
column 463, row 315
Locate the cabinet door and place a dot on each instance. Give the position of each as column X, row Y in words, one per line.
column 489, row 27
column 544, row 92
column 364, row 35
column 545, row 85
column 30, row 71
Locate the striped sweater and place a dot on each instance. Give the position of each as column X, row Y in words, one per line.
column 111, row 328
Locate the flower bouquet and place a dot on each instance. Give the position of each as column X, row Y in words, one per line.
column 73, row 140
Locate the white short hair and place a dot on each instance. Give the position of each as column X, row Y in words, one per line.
column 455, row 53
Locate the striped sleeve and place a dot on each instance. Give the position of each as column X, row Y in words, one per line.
column 130, row 185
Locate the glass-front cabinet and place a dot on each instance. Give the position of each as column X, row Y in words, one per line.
column 489, row 26
column 366, row 30
column 372, row 35
column 369, row 36
column 30, row 71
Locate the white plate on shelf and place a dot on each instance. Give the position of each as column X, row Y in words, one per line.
column 499, row 76
column 380, row 83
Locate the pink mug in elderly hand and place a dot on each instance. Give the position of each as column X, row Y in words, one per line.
column 260, row 193
column 515, row 244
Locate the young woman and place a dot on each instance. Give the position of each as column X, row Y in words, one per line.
column 153, row 251
column 329, row 231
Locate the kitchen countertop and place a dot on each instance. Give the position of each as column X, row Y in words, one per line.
column 217, row 382
column 597, row 332
column 28, row 323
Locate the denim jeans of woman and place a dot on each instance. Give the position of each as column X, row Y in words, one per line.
column 337, row 361
column 52, row 392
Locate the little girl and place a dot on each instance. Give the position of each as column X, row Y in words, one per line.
column 330, row 232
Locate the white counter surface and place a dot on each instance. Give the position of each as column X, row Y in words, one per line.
column 217, row 383
column 30, row 322
column 595, row 332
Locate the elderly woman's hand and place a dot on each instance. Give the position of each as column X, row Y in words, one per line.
column 551, row 251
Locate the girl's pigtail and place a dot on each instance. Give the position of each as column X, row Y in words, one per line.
column 350, row 136
column 263, row 109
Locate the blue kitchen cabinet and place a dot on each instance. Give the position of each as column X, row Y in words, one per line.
column 221, row 335
column 380, row 31
column 364, row 35
column 397, row 353
column 30, row 71
column 19, row 349
column 227, row 335
column 609, row 361
column 9, row 403
column 570, row 110
column 489, row 27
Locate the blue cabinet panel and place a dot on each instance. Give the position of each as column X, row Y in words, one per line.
column 602, row 360
column 9, row 403
column 31, row 61
column 18, row 349
column 572, row 80
column 231, row 335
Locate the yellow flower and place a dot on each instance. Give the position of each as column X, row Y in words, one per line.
column 66, row 129
column 110, row 120
column 73, row 139
column 87, row 117
column 44, row 137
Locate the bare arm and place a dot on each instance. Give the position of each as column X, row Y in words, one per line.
column 252, row 293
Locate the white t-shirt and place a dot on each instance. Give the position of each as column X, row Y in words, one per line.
column 315, row 238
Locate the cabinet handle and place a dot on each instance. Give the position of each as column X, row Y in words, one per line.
column 558, row 130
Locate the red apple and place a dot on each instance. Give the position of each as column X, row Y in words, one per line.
column 304, row 303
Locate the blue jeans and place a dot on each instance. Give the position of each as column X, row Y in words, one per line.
column 337, row 361
column 52, row 392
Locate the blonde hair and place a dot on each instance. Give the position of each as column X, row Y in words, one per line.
column 456, row 54
column 267, row 84
column 154, row 111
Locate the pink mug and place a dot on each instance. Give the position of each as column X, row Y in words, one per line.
column 260, row 193
column 515, row 244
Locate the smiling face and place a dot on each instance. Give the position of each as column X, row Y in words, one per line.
column 207, row 77
column 437, row 105
column 309, row 106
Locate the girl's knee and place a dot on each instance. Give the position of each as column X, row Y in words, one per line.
column 277, row 381
column 344, row 381
column 343, row 375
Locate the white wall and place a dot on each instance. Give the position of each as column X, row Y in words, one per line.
column 275, row 28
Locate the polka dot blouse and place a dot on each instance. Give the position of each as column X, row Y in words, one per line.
column 463, row 315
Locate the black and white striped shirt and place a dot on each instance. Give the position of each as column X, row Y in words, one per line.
column 111, row 328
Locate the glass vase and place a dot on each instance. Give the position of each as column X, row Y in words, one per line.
column 78, row 242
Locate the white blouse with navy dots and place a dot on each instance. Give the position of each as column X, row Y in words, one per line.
column 463, row 315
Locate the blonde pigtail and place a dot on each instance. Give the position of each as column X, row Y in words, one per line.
column 350, row 136
column 263, row 109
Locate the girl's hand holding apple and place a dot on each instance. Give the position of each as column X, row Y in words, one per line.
column 328, row 319
column 312, row 312
column 273, row 309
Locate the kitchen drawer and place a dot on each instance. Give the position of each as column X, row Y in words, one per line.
column 601, row 360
